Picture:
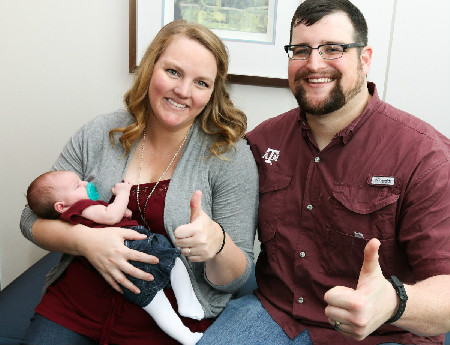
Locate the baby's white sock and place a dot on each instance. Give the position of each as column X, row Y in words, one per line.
column 165, row 317
column 188, row 304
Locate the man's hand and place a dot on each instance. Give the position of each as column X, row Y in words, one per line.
column 362, row 311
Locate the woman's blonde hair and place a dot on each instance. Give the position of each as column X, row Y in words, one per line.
column 219, row 118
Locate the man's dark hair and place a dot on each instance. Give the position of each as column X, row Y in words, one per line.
column 311, row 11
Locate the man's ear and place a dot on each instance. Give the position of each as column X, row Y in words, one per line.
column 366, row 59
column 60, row 207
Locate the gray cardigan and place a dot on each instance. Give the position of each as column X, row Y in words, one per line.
column 229, row 187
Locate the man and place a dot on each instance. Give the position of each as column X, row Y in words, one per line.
column 340, row 175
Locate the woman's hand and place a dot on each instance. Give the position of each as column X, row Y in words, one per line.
column 106, row 251
column 201, row 239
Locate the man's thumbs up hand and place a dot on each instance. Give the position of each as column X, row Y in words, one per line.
column 358, row 312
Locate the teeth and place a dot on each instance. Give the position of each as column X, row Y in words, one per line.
column 175, row 103
column 320, row 80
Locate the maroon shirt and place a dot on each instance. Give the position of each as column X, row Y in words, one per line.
column 386, row 175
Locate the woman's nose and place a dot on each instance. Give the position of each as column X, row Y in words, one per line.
column 183, row 89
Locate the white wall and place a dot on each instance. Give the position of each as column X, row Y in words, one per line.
column 64, row 61
column 61, row 63
column 417, row 80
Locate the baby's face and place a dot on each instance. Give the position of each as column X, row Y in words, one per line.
column 69, row 188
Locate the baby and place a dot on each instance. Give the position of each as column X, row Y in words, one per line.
column 62, row 194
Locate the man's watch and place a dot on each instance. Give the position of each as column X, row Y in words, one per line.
column 401, row 292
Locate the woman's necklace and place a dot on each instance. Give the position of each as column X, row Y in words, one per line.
column 160, row 178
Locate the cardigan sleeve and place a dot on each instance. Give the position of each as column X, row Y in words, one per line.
column 235, row 205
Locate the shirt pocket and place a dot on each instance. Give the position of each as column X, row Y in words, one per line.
column 344, row 255
column 364, row 211
column 273, row 186
column 358, row 214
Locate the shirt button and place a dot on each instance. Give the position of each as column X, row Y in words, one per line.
column 302, row 254
column 300, row 300
column 317, row 159
column 309, row 207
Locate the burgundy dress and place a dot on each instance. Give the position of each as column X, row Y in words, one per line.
column 81, row 300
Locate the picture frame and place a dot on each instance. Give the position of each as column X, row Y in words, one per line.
column 260, row 62
column 234, row 20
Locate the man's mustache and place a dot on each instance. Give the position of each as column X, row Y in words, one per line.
column 302, row 74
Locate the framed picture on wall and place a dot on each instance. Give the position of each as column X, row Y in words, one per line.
column 254, row 32
column 239, row 20
column 255, row 58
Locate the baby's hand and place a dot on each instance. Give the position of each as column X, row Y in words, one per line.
column 122, row 187
column 128, row 213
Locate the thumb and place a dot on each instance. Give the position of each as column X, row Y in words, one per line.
column 196, row 205
column 371, row 264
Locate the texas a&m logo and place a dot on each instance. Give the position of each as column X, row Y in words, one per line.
column 271, row 155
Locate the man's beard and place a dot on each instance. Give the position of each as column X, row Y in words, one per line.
column 335, row 100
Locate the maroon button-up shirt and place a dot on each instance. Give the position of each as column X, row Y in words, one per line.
column 386, row 175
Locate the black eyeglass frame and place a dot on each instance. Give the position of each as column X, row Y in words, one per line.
column 344, row 48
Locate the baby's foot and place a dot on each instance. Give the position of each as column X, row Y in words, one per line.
column 191, row 307
column 193, row 339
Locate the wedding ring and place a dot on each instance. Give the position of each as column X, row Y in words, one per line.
column 337, row 326
column 189, row 251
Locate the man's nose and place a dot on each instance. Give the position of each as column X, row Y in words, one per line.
column 315, row 60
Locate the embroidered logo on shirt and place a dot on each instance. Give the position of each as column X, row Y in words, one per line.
column 271, row 155
column 383, row 181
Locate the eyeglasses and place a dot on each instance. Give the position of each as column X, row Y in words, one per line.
column 326, row 51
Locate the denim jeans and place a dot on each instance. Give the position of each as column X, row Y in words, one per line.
column 42, row 331
column 245, row 321
column 159, row 246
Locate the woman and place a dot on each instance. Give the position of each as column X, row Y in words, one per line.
column 195, row 181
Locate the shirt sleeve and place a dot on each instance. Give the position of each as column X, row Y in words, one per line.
column 74, row 214
column 425, row 220
column 235, row 204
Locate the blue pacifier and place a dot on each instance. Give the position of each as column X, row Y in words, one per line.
column 92, row 192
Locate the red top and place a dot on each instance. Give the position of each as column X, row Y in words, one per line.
column 386, row 176
column 73, row 215
column 83, row 301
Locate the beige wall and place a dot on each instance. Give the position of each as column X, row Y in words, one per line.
column 64, row 61
column 61, row 63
